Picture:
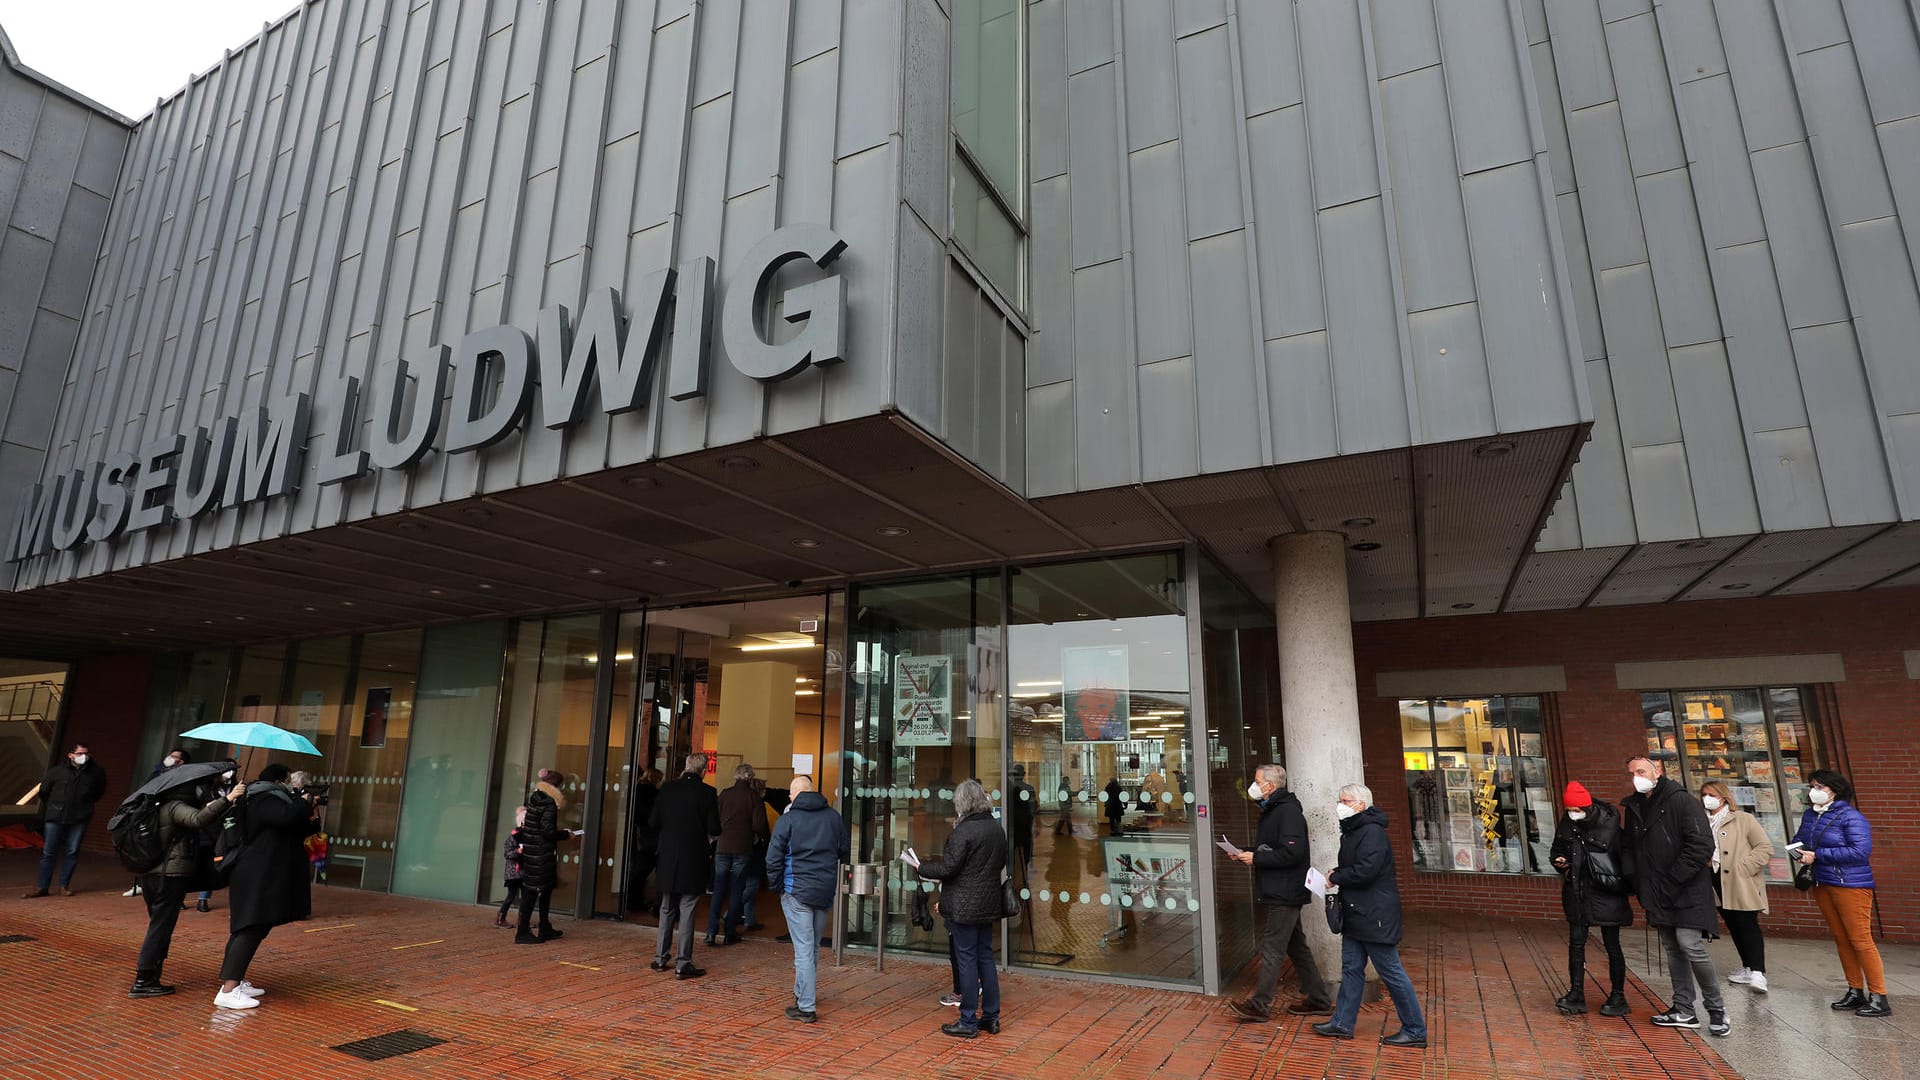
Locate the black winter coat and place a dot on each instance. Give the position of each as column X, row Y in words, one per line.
column 1280, row 856
column 1369, row 891
column 1587, row 901
column 743, row 819
column 685, row 819
column 969, row 870
column 1672, row 844
column 643, row 796
column 540, row 839
column 67, row 794
column 272, row 881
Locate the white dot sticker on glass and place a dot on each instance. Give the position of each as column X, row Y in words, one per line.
column 1166, row 796
column 1188, row 797
column 1046, row 895
column 996, row 795
column 1023, row 795
column 1126, row 900
column 1026, row 894
column 1063, row 795
column 1106, row 900
column 1171, row 905
column 1085, row 899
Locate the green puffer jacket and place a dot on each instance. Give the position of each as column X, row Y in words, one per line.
column 180, row 826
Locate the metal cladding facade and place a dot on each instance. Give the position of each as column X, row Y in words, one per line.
column 1288, row 265
column 59, row 157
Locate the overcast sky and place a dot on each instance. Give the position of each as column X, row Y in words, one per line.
column 125, row 54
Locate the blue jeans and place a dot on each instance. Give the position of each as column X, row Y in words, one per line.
column 61, row 840
column 979, row 979
column 729, row 874
column 803, row 925
column 1353, row 979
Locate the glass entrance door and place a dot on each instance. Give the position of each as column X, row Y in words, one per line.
column 751, row 684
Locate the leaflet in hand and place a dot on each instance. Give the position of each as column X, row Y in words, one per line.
column 1226, row 845
column 1317, row 882
column 910, row 858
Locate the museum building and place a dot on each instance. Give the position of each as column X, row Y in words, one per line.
column 1098, row 398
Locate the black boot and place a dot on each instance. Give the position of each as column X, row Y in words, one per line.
column 548, row 933
column 524, row 935
column 147, row 984
column 1876, row 1006
column 1573, row 1002
column 1615, row 1005
column 1853, row 999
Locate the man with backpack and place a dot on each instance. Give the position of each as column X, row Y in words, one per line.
column 180, row 868
column 67, row 795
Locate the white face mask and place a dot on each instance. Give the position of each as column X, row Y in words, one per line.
column 1254, row 792
column 1643, row 784
column 1712, row 802
column 1343, row 811
column 1819, row 796
column 79, row 759
column 172, row 761
column 1577, row 815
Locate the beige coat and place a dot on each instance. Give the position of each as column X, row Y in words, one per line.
column 1744, row 854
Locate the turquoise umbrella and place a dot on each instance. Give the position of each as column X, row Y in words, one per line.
column 256, row 734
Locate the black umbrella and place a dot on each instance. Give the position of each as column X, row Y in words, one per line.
column 179, row 775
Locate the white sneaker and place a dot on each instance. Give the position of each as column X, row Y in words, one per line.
column 234, row 999
column 135, row 891
column 249, row 989
column 1758, row 981
column 1743, row 977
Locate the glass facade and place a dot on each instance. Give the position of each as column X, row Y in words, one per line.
column 1478, row 785
column 989, row 139
column 1759, row 741
column 1065, row 688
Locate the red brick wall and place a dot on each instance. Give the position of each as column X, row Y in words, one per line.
column 106, row 709
column 1599, row 724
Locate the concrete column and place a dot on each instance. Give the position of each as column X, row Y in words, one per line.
column 1319, row 701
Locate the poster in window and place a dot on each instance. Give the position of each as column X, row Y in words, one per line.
column 1459, row 802
column 1150, row 872
column 306, row 719
column 923, row 700
column 1096, row 693
column 1457, row 779
column 1465, row 857
column 373, row 721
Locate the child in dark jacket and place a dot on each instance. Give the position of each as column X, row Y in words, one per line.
column 512, row 853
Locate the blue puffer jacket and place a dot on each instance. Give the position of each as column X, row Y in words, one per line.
column 1842, row 845
column 806, row 851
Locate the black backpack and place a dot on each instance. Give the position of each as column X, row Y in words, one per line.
column 135, row 829
column 230, row 845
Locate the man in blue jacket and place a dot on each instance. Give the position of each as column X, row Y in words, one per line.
column 803, row 865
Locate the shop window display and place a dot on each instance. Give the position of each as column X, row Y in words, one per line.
column 1478, row 784
column 1760, row 742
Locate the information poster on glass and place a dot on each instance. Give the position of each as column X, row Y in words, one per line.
column 923, row 701
column 1095, row 693
column 373, row 721
column 1150, row 872
column 306, row 719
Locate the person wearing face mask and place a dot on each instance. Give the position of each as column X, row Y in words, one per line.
column 1837, row 843
column 270, row 885
column 1370, row 931
column 1741, row 853
column 1593, row 893
column 174, row 757
column 1280, row 860
column 1672, row 846
column 67, row 795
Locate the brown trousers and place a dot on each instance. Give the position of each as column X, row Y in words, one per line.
column 1849, row 914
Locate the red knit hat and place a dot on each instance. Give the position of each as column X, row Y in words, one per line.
column 1577, row 796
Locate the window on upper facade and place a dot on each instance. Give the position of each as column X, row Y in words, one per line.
column 989, row 140
column 1478, row 785
column 1758, row 741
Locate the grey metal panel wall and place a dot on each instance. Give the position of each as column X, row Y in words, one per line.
column 59, row 161
column 374, row 176
column 1741, row 183
column 1269, row 232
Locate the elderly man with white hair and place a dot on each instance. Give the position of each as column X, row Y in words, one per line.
column 1280, row 860
column 1370, row 921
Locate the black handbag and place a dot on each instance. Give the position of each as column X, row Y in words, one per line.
column 1009, row 900
column 1336, row 914
column 1802, row 872
column 1605, row 874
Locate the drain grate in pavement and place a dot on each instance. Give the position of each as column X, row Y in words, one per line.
column 392, row 1044
column 13, row 939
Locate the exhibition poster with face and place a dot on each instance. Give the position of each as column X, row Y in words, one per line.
column 1095, row 692
column 923, row 701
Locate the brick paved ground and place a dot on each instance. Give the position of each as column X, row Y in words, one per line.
column 588, row 1007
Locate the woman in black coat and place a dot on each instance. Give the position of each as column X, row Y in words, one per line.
column 970, row 871
column 1587, row 850
column 1370, row 914
column 540, row 857
column 271, row 884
